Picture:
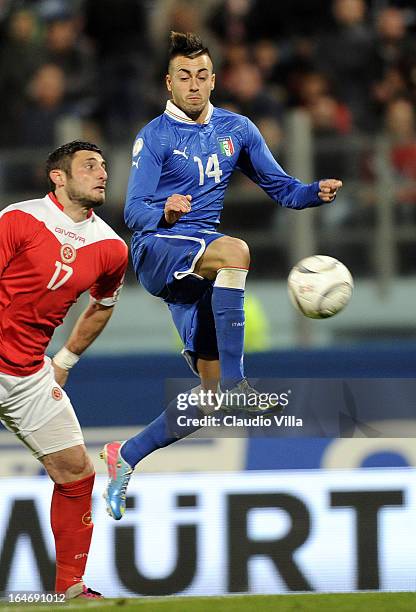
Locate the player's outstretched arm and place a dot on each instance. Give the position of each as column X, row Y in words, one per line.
column 328, row 189
column 258, row 163
column 88, row 327
column 176, row 206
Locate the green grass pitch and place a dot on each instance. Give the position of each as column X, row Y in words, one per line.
column 338, row 602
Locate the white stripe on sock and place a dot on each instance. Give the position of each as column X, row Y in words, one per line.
column 231, row 278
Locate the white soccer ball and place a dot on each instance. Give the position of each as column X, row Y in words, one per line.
column 320, row 286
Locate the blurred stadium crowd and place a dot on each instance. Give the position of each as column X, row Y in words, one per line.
column 94, row 69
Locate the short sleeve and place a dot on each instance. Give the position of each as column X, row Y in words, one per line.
column 106, row 290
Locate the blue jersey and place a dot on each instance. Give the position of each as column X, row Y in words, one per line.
column 173, row 154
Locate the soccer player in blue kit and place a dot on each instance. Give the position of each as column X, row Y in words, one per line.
column 182, row 163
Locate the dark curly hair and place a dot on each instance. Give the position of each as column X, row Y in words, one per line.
column 61, row 158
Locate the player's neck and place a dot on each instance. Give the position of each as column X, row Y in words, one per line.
column 75, row 211
column 197, row 117
column 202, row 116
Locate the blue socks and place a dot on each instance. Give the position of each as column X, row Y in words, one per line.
column 161, row 432
column 228, row 309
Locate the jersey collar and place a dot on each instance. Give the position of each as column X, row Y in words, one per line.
column 57, row 203
column 176, row 113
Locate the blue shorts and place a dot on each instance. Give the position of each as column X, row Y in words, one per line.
column 164, row 264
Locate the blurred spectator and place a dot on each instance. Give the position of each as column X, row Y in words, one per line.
column 119, row 33
column 267, row 56
column 229, row 21
column 400, row 125
column 39, row 127
column 395, row 50
column 400, row 134
column 331, row 122
column 184, row 16
column 296, row 63
column 235, row 53
column 328, row 114
column 244, row 88
column 66, row 48
column 397, row 45
column 345, row 54
column 391, row 86
column 20, row 56
column 312, row 86
column 231, row 55
column 329, row 117
column 393, row 41
column 46, row 105
column 273, row 66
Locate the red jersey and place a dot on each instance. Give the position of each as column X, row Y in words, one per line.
column 46, row 262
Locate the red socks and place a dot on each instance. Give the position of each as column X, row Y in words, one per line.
column 72, row 528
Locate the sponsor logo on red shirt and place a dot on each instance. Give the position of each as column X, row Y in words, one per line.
column 69, row 234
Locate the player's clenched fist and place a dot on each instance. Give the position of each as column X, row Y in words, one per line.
column 176, row 206
column 328, row 189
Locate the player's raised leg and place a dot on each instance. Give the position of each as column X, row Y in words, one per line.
column 226, row 261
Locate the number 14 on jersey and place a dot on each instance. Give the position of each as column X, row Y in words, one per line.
column 212, row 169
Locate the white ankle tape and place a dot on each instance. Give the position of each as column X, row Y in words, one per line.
column 65, row 359
column 231, row 278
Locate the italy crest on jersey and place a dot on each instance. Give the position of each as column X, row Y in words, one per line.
column 226, row 146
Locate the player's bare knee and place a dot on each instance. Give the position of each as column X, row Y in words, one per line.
column 80, row 466
column 234, row 253
column 244, row 252
column 68, row 465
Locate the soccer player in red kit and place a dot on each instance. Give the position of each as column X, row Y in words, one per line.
column 53, row 249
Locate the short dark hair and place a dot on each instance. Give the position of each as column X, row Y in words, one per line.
column 61, row 158
column 186, row 44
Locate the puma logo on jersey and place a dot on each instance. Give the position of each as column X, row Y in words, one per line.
column 177, row 152
column 69, row 234
column 135, row 163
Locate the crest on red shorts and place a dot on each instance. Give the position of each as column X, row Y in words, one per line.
column 68, row 253
column 57, row 393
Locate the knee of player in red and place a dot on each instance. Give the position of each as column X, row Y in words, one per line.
column 72, row 527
